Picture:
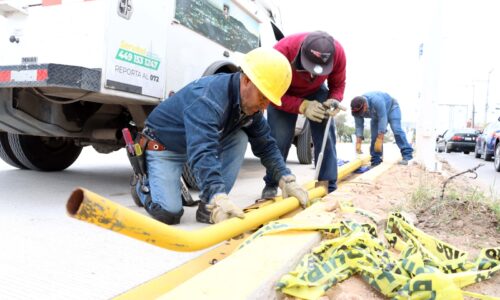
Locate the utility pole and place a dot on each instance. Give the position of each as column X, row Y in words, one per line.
column 430, row 59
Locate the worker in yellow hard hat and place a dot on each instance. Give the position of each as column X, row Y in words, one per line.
column 208, row 124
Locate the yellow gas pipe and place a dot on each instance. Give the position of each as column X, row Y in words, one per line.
column 93, row 208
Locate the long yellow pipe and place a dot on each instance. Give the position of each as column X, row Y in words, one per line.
column 93, row 208
column 352, row 166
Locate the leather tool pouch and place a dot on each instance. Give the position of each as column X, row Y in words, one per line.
column 138, row 163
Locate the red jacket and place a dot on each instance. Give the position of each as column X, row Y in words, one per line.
column 302, row 85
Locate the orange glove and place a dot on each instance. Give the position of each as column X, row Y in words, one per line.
column 378, row 143
column 359, row 140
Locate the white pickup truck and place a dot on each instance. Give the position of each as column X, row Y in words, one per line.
column 73, row 73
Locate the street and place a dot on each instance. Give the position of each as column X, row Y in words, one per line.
column 488, row 178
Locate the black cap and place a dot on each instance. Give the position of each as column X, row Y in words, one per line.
column 316, row 53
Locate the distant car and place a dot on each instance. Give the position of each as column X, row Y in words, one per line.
column 487, row 141
column 457, row 140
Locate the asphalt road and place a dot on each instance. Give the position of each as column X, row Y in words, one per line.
column 487, row 178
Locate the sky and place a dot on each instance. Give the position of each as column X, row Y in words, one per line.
column 381, row 39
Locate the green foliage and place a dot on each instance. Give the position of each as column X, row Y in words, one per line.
column 456, row 200
column 423, row 194
column 344, row 132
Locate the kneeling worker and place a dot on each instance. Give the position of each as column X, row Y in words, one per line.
column 209, row 123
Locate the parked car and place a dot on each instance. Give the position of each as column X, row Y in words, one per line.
column 457, row 140
column 487, row 141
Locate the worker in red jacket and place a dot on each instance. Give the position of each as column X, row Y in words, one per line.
column 315, row 58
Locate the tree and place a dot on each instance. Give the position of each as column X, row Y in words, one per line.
column 344, row 131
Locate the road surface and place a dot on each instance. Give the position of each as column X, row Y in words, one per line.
column 487, row 178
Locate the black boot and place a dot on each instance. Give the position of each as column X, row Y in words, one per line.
column 203, row 214
column 269, row 192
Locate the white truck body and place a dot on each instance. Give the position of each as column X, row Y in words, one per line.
column 74, row 72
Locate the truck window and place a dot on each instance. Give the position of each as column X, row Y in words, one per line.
column 222, row 21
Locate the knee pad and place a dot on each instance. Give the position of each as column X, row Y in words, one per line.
column 160, row 214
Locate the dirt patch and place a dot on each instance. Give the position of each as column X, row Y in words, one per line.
column 463, row 217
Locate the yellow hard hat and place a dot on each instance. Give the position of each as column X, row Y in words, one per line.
column 270, row 72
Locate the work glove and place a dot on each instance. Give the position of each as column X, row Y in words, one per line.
column 222, row 208
column 333, row 107
column 359, row 140
column 378, row 143
column 313, row 110
column 290, row 188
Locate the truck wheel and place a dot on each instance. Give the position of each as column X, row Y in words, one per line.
column 496, row 163
column 6, row 153
column 189, row 178
column 44, row 153
column 304, row 145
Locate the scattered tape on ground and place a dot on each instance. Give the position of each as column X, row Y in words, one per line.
column 425, row 268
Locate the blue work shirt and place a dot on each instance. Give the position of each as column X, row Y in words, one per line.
column 379, row 106
column 195, row 119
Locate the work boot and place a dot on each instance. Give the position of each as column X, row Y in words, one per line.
column 269, row 192
column 160, row 214
column 203, row 214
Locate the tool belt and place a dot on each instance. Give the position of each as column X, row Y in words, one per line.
column 150, row 144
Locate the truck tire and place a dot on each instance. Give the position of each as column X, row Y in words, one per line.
column 44, row 153
column 189, row 178
column 6, row 153
column 304, row 145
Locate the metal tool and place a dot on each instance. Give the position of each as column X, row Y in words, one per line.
column 330, row 111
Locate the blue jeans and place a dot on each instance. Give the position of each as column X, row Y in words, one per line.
column 165, row 169
column 283, row 129
column 394, row 120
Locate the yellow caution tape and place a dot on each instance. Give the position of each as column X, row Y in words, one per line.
column 426, row 267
